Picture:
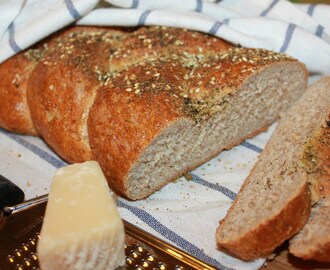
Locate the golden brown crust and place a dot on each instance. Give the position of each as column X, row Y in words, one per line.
column 62, row 87
column 14, row 110
column 152, row 43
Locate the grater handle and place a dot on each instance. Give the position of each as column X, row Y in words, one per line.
column 10, row 194
column 8, row 210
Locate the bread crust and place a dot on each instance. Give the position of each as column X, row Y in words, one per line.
column 15, row 72
column 14, row 110
column 151, row 43
column 62, row 88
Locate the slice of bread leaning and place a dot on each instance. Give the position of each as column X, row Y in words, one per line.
column 274, row 201
column 313, row 241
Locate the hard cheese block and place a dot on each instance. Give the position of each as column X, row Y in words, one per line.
column 82, row 228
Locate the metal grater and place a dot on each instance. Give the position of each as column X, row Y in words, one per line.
column 19, row 233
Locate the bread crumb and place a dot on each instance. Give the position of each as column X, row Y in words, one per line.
column 271, row 257
column 188, row 176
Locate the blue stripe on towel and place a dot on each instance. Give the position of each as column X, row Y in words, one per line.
column 270, row 7
column 310, row 9
column 288, row 37
column 215, row 27
column 143, row 17
column 57, row 163
column 319, row 31
column 74, row 13
column 227, row 192
column 252, row 147
column 12, row 42
column 135, row 3
column 226, row 21
column 153, row 223
column 199, row 6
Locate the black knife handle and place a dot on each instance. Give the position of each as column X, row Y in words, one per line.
column 10, row 194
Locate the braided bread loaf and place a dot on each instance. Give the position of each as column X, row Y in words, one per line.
column 152, row 103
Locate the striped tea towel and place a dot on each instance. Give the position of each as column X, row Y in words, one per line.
column 299, row 30
column 186, row 212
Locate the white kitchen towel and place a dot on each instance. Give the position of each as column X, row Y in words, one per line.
column 186, row 212
column 299, row 30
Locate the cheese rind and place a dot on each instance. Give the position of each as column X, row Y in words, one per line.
column 82, row 228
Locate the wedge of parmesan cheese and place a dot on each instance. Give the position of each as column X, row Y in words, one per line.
column 82, row 228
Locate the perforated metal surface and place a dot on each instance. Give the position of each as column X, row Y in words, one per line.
column 19, row 234
column 138, row 257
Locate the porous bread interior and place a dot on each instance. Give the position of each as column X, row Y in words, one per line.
column 184, row 145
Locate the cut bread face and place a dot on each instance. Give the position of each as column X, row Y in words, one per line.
column 274, row 201
column 184, row 145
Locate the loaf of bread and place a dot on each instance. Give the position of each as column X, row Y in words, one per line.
column 153, row 103
column 274, row 202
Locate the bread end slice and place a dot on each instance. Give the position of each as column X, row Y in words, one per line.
column 266, row 235
column 313, row 241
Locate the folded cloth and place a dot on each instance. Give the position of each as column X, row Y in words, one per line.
column 302, row 31
column 186, row 212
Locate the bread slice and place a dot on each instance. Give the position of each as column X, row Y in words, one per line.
column 313, row 241
column 274, row 201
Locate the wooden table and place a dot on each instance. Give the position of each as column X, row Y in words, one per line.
column 285, row 261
